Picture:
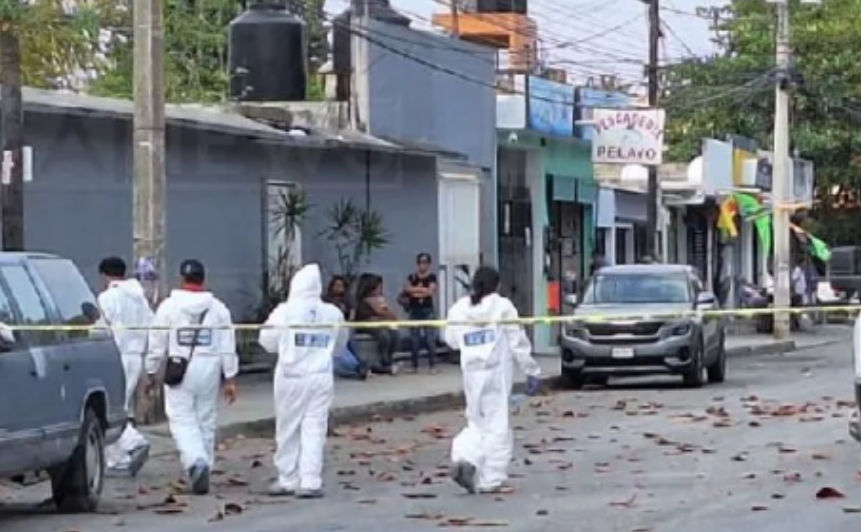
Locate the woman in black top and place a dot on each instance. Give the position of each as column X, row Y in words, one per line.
column 371, row 306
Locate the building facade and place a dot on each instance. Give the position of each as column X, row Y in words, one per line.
column 548, row 198
column 221, row 169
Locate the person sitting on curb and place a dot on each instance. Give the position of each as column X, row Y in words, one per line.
column 371, row 307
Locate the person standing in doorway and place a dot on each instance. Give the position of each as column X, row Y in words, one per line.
column 193, row 330
column 125, row 308
column 421, row 287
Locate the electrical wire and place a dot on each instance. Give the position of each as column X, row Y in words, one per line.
column 746, row 87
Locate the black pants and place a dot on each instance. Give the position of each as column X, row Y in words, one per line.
column 388, row 342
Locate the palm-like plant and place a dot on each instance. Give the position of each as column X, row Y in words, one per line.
column 355, row 233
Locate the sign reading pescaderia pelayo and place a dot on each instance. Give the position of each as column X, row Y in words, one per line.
column 628, row 136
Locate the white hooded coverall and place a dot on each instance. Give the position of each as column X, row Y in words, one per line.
column 192, row 406
column 124, row 304
column 487, row 354
column 304, row 383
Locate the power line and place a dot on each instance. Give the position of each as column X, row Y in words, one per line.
column 369, row 37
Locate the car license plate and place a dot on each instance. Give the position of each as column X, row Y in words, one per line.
column 622, row 352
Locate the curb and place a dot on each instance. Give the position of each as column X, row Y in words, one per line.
column 340, row 416
column 265, row 427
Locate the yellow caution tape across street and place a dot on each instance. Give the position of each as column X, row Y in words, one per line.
column 526, row 320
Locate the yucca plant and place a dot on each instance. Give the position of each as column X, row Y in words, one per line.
column 355, row 233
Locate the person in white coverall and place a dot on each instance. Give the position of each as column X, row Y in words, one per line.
column 304, row 382
column 481, row 453
column 193, row 327
column 125, row 308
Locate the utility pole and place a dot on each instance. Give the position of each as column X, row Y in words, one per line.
column 780, row 212
column 149, row 165
column 455, row 19
column 653, row 195
column 12, row 124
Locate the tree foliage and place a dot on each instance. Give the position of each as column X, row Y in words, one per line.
column 61, row 46
column 196, row 45
column 732, row 93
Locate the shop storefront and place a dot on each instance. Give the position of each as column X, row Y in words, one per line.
column 557, row 193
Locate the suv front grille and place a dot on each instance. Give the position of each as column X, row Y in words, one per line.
column 643, row 328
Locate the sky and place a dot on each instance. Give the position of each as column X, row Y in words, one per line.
column 589, row 38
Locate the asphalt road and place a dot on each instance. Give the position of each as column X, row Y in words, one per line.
column 767, row 451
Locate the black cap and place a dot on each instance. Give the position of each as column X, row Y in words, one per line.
column 192, row 271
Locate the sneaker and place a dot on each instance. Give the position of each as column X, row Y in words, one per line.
column 492, row 490
column 463, row 473
column 138, row 458
column 277, row 490
column 199, row 476
column 309, row 494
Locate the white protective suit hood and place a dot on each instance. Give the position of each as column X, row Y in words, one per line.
column 304, row 305
column 306, row 285
column 123, row 305
column 191, row 303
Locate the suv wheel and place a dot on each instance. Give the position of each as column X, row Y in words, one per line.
column 717, row 371
column 77, row 485
column 572, row 379
column 693, row 378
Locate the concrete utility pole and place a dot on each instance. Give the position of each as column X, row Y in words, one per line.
column 149, row 147
column 652, row 226
column 781, row 191
column 12, row 123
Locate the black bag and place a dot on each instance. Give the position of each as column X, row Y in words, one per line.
column 176, row 367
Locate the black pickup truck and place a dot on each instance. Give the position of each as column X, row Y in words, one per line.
column 845, row 271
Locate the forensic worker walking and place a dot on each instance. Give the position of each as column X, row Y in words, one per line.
column 192, row 329
column 124, row 308
column 481, row 453
column 304, row 383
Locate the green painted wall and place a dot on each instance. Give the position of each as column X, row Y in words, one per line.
column 569, row 158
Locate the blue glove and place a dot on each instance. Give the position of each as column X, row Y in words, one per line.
column 533, row 385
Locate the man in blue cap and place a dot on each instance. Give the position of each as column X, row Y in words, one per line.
column 192, row 329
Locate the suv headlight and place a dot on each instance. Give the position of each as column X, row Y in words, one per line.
column 680, row 329
column 576, row 330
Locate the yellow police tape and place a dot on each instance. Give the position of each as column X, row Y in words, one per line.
column 526, row 320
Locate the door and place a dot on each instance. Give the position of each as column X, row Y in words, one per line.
column 88, row 358
column 48, row 366
column 711, row 323
column 44, row 388
column 20, row 428
column 459, row 211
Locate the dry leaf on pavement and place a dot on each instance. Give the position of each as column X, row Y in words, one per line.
column 852, row 509
column 419, row 495
column 829, row 493
column 758, row 508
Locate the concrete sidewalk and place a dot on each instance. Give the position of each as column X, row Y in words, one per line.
column 387, row 396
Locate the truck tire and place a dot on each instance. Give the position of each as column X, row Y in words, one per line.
column 77, row 485
column 572, row 379
column 693, row 378
column 717, row 371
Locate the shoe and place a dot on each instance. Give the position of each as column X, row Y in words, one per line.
column 491, row 490
column 309, row 494
column 396, row 368
column 277, row 490
column 138, row 458
column 199, row 476
column 463, row 473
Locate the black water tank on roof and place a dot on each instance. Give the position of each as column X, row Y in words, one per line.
column 268, row 57
column 501, row 6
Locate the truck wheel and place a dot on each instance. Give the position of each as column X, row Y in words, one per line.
column 693, row 378
column 77, row 485
column 572, row 379
column 717, row 371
